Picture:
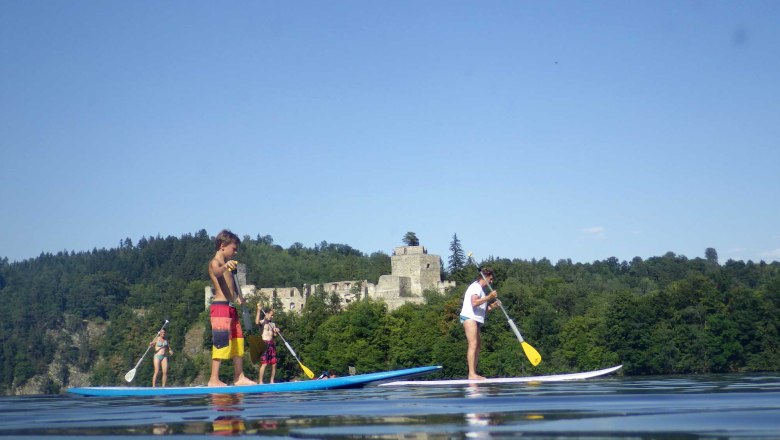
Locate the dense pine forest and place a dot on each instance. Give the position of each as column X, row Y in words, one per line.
column 85, row 318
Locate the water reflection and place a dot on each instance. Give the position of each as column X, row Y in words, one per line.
column 486, row 424
column 477, row 422
column 228, row 424
column 161, row 429
column 236, row 420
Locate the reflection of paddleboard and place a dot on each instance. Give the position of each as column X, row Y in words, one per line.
column 256, row 347
column 356, row 381
column 551, row 378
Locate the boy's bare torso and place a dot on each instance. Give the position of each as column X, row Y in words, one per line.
column 223, row 285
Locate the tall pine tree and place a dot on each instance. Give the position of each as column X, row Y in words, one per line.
column 458, row 259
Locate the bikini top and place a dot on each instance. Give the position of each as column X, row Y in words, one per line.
column 162, row 344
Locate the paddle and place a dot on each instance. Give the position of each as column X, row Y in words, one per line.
column 244, row 309
column 256, row 347
column 131, row 374
column 533, row 356
column 305, row 369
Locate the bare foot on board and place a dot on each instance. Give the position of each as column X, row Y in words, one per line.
column 243, row 380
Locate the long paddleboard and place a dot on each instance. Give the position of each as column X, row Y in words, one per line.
column 550, row 378
column 356, row 381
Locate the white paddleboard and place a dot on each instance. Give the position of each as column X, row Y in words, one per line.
column 550, row 378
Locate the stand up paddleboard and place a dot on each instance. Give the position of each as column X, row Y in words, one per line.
column 356, row 381
column 551, row 378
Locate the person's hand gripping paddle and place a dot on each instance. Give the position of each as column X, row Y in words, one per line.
column 131, row 374
column 533, row 356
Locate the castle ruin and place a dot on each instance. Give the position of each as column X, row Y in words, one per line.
column 413, row 270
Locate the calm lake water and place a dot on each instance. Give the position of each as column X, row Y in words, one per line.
column 688, row 407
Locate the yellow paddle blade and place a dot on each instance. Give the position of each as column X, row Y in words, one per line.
column 256, row 346
column 533, row 356
column 306, row 371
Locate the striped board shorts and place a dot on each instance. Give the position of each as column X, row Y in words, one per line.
column 226, row 334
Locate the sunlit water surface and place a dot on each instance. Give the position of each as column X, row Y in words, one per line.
column 689, row 407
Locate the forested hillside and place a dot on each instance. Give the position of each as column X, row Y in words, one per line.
column 85, row 318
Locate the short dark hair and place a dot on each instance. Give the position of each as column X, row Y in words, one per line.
column 225, row 237
column 486, row 272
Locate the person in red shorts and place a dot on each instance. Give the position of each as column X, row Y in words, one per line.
column 226, row 334
column 269, row 331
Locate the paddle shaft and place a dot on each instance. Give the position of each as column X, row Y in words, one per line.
column 511, row 322
column 244, row 311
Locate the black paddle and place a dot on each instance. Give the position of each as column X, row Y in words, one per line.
column 244, row 309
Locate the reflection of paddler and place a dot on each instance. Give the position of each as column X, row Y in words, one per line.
column 473, row 390
column 227, row 402
column 477, row 424
column 160, row 429
column 228, row 425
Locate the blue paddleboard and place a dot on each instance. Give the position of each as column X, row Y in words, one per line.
column 356, row 381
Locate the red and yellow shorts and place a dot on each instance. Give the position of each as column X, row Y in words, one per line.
column 227, row 337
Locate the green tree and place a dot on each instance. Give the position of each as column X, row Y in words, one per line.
column 711, row 255
column 354, row 337
column 410, row 239
column 457, row 260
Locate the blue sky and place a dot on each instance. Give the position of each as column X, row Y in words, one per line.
column 532, row 129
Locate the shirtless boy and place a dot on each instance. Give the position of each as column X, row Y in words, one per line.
column 227, row 337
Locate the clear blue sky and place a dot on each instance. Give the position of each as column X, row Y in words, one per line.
column 532, row 129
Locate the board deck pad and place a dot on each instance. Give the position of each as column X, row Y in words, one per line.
column 527, row 379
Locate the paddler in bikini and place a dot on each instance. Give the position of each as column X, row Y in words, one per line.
column 162, row 350
column 227, row 336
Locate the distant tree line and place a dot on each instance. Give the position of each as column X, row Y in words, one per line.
column 664, row 315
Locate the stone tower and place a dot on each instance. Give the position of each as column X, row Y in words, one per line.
column 422, row 269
